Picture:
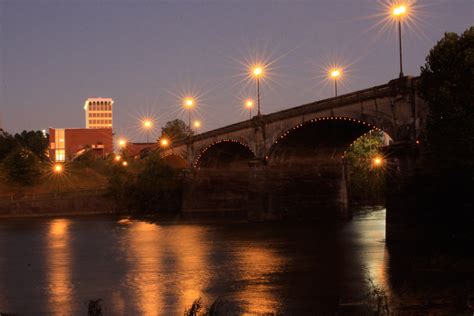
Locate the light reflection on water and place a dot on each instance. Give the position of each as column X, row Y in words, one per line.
column 59, row 267
column 160, row 269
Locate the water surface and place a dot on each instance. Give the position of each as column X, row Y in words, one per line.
column 55, row 266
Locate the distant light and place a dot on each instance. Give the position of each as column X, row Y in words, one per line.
column 118, row 158
column 124, row 163
column 122, row 142
column 399, row 10
column 249, row 103
column 377, row 161
column 58, row 168
column 164, row 142
column 197, row 124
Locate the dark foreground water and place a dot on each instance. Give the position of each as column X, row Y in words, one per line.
column 55, row 266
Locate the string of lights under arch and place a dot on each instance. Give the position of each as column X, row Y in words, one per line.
column 226, row 140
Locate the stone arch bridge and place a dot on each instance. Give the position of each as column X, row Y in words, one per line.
column 290, row 163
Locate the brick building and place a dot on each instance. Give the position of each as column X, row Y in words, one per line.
column 66, row 143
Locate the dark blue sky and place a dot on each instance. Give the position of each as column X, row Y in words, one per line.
column 55, row 54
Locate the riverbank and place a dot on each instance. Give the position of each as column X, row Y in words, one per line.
column 71, row 203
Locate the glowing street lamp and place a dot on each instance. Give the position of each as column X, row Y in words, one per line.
column 147, row 125
column 164, row 142
column 257, row 72
column 249, row 106
column 398, row 12
column 58, row 168
column 335, row 74
column 122, row 142
column 197, row 124
column 118, row 158
column 124, row 163
column 377, row 161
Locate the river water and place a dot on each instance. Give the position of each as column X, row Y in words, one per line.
column 55, row 266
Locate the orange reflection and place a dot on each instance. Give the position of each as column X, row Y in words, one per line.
column 375, row 260
column 59, row 267
column 145, row 257
column 192, row 258
column 257, row 264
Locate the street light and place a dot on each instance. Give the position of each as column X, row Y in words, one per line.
column 189, row 104
column 147, row 125
column 257, row 72
column 118, row 158
column 335, row 74
column 58, row 168
column 197, row 124
column 249, row 106
column 398, row 12
column 122, row 142
column 164, row 142
column 377, row 161
column 124, row 163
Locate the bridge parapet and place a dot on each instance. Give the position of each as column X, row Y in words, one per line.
column 393, row 107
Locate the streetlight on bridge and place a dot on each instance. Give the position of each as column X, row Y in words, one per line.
column 398, row 12
column 335, row 74
column 249, row 106
column 147, row 125
column 189, row 104
column 257, row 72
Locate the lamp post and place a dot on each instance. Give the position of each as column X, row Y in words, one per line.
column 249, row 105
column 398, row 12
column 335, row 74
column 147, row 125
column 257, row 73
column 189, row 104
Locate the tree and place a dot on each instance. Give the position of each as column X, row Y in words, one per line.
column 176, row 130
column 22, row 167
column 156, row 186
column 366, row 182
column 7, row 144
column 447, row 85
column 35, row 141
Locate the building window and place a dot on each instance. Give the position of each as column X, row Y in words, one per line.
column 60, row 155
column 60, row 145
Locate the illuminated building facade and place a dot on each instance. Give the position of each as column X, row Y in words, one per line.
column 67, row 143
column 98, row 112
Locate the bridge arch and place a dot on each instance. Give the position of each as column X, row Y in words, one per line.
column 224, row 153
column 324, row 137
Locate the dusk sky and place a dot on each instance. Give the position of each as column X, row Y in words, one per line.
column 144, row 54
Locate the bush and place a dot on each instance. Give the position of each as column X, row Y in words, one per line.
column 153, row 186
column 22, row 167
